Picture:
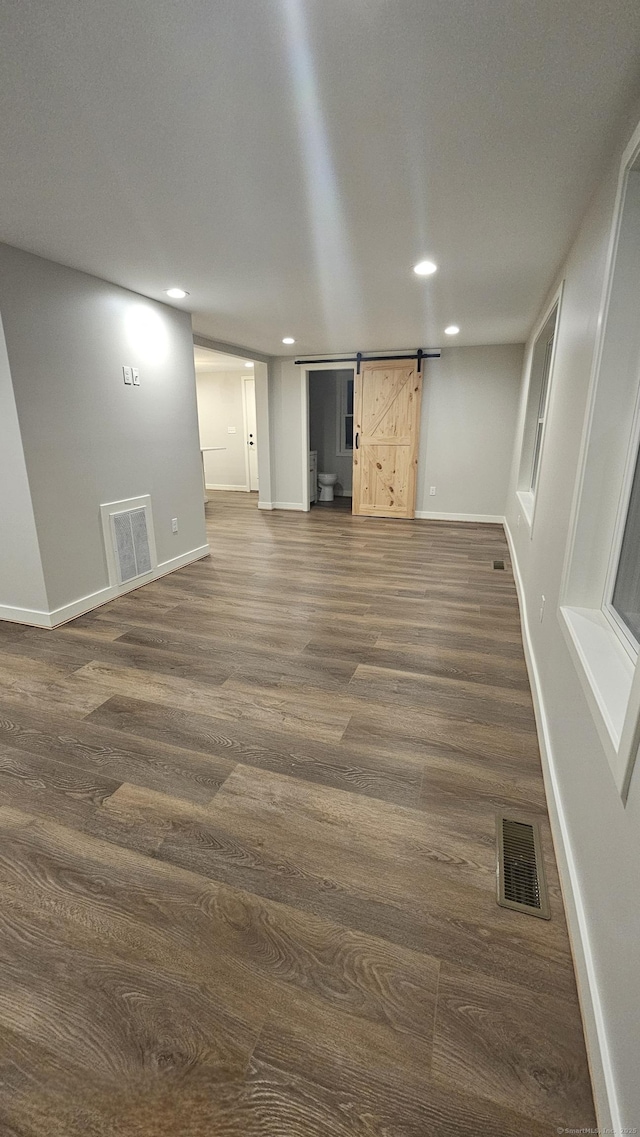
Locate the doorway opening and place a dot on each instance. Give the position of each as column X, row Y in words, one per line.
column 227, row 419
column 363, row 435
column 331, row 409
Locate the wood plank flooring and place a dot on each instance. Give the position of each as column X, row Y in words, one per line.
column 247, row 881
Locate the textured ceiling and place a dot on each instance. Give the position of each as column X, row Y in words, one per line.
column 288, row 161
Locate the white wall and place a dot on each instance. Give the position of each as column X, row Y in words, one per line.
column 469, row 410
column 262, row 373
column 220, row 406
column 469, row 413
column 598, row 839
column 87, row 438
column 21, row 577
column 289, row 435
column 323, row 428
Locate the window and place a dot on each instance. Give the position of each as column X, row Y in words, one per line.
column 344, row 388
column 600, row 595
column 542, row 406
column 536, row 413
column 624, row 603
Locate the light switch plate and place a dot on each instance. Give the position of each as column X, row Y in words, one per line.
column 231, row 430
column 136, row 376
column 126, row 375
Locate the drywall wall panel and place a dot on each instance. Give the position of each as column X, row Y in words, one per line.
column 289, row 433
column 87, row 437
column 469, row 412
column 21, row 578
column 600, row 837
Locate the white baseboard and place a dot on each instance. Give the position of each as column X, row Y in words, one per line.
column 32, row 616
column 217, row 486
column 488, row 518
column 602, row 1078
column 58, row 616
column 265, row 505
column 289, row 505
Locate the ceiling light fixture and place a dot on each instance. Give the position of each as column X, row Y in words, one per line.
column 425, row 268
column 288, row 339
column 176, row 293
column 452, row 330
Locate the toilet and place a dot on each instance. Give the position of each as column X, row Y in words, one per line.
column 326, row 483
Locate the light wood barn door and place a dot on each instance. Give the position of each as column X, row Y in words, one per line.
column 386, row 434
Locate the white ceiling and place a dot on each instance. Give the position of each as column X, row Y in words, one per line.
column 288, row 161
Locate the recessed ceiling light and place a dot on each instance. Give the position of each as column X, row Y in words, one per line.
column 248, row 364
column 452, row 330
column 176, row 293
column 425, row 268
column 288, row 339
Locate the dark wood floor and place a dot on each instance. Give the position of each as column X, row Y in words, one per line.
column 247, row 880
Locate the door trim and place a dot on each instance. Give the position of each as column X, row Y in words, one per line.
column 245, row 426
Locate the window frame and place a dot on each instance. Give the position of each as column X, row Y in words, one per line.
column 606, row 662
column 543, row 407
column 624, row 633
column 527, row 487
column 341, row 414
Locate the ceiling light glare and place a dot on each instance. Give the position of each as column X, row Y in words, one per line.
column 288, row 339
column 425, row 268
column 248, row 364
column 176, row 293
column 452, row 330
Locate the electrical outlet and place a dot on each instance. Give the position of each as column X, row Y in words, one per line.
column 432, row 491
column 541, row 608
column 174, row 524
column 126, row 375
column 231, row 430
column 135, row 374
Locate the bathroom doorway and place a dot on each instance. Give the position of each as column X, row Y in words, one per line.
column 331, row 395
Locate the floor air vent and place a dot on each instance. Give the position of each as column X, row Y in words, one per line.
column 521, row 881
column 498, row 564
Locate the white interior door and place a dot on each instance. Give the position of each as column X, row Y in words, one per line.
column 251, row 434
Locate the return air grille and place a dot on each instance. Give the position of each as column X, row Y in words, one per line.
column 521, row 881
column 131, row 541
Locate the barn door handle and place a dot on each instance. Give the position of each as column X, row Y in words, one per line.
column 356, row 441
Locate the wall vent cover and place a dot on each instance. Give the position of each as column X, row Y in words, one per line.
column 521, row 880
column 129, row 540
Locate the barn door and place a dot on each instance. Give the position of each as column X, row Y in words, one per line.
column 385, row 443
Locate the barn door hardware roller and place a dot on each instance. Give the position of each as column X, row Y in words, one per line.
column 360, row 358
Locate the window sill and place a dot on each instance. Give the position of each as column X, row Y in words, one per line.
column 526, row 499
column 605, row 671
